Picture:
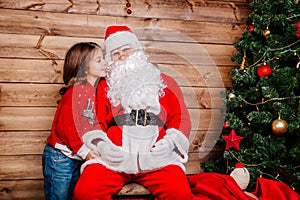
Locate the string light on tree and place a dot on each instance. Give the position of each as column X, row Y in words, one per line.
column 296, row 54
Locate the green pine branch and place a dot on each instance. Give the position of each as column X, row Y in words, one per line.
column 254, row 101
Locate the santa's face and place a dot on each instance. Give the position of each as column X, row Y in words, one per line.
column 134, row 82
column 122, row 52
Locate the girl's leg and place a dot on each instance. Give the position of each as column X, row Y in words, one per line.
column 75, row 176
column 57, row 170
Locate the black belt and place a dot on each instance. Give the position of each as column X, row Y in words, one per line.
column 137, row 118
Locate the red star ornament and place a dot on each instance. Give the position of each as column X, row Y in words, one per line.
column 232, row 140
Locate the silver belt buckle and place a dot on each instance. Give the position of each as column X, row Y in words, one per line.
column 137, row 116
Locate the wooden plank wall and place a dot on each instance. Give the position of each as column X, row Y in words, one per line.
column 188, row 39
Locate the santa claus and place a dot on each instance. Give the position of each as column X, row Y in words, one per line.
column 145, row 126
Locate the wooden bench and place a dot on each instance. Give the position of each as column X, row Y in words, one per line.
column 133, row 191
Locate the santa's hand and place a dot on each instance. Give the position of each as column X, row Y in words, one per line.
column 164, row 147
column 110, row 153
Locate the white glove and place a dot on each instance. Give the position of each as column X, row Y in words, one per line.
column 110, row 153
column 163, row 148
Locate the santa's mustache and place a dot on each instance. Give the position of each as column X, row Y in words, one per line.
column 137, row 59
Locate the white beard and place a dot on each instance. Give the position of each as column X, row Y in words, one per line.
column 135, row 83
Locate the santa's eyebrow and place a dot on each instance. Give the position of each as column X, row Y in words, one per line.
column 116, row 51
column 127, row 46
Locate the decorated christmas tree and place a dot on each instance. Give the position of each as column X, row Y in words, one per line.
column 262, row 123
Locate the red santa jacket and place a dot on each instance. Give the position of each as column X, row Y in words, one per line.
column 173, row 114
column 138, row 141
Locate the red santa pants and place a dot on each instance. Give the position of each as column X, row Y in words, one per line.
column 98, row 182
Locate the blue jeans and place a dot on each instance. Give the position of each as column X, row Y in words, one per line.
column 60, row 174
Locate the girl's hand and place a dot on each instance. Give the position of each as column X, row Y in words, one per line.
column 92, row 154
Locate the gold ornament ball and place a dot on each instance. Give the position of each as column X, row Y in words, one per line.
column 266, row 32
column 231, row 95
column 279, row 126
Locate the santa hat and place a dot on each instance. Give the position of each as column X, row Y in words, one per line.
column 117, row 36
column 241, row 175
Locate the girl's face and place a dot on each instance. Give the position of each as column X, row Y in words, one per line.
column 97, row 66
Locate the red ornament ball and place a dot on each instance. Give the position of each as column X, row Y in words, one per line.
column 264, row 70
column 129, row 11
column 250, row 28
column 226, row 125
column 128, row 4
column 298, row 32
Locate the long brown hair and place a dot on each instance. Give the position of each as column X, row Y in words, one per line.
column 75, row 63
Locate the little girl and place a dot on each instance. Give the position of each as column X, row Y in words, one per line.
column 75, row 115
